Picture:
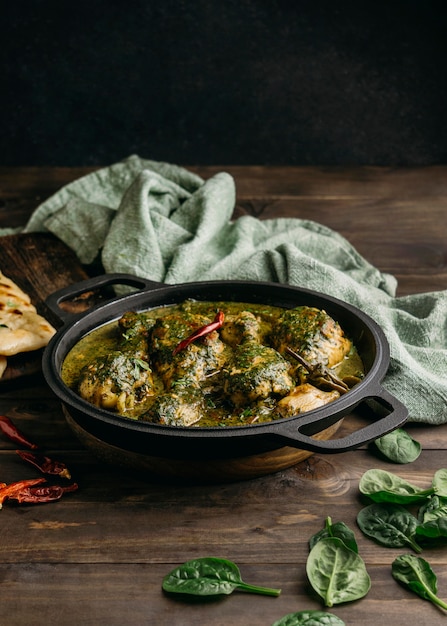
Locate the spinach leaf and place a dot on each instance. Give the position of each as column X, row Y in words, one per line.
column 439, row 483
column 398, row 446
column 391, row 525
column 427, row 510
column 433, row 529
column 336, row 573
column 434, row 508
column 432, row 518
column 383, row 486
column 416, row 574
column 209, row 576
column 340, row 530
column 309, row 618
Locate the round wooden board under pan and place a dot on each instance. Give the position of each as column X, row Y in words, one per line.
column 196, row 470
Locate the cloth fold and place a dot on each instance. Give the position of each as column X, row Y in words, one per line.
column 162, row 222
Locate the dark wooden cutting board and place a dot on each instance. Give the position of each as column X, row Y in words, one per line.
column 40, row 264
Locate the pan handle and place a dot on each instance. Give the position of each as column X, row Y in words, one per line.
column 54, row 300
column 390, row 412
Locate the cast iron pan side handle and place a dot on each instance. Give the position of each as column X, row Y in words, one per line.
column 54, row 300
column 391, row 415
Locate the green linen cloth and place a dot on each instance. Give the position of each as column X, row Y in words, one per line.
column 162, row 222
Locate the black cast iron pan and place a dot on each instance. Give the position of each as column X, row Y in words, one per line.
column 303, row 432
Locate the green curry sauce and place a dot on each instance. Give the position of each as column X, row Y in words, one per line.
column 216, row 412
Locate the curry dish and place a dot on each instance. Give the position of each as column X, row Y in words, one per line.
column 214, row 364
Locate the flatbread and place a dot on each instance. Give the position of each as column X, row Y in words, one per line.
column 11, row 296
column 22, row 329
column 23, row 332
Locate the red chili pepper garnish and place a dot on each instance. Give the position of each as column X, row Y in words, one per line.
column 201, row 332
column 14, row 434
column 41, row 495
column 10, row 491
column 45, row 464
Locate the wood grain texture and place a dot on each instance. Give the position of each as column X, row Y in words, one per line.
column 132, row 595
column 99, row 555
column 40, row 264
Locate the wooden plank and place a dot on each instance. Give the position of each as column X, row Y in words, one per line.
column 22, row 189
column 400, row 238
column 120, row 517
column 131, row 593
column 413, row 220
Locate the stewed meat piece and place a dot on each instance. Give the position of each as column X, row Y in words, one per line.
column 121, row 380
column 182, row 405
column 312, row 334
column 244, row 326
column 117, row 382
column 134, row 329
column 197, row 361
column 304, row 397
column 255, row 372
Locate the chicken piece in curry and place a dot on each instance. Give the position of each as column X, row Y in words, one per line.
column 305, row 397
column 121, row 380
column 197, row 362
column 255, row 372
column 313, row 334
column 175, row 366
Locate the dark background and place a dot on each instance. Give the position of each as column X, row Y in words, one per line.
column 230, row 82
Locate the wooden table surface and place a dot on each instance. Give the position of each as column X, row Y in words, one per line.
column 99, row 555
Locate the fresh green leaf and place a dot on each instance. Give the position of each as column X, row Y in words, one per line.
column 439, row 482
column 433, row 529
column 432, row 518
column 340, row 530
column 398, row 446
column 391, row 525
column 415, row 573
column 310, row 618
column 144, row 365
column 209, row 576
column 138, row 366
column 434, row 508
column 337, row 573
column 383, row 486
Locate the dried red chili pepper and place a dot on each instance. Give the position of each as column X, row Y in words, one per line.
column 42, row 495
column 201, row 332
column 14, row 434
column 45, row 464
column 10, row 491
